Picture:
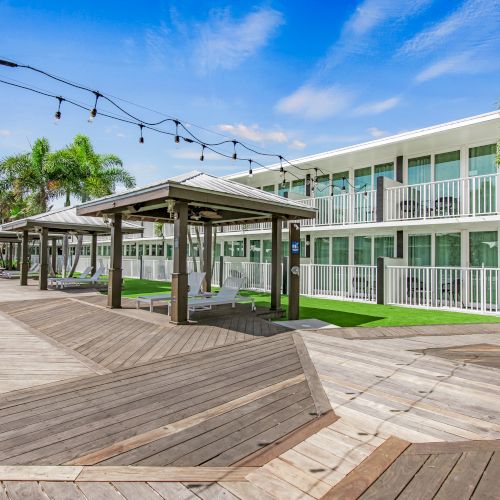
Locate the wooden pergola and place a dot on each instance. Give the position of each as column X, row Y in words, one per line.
column 52, row 226
column 201, row 199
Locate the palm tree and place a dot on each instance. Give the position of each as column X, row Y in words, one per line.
column 27, row 182
column 85, row 174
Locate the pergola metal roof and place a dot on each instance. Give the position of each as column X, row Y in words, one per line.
column 210, row 198
column 65, row 220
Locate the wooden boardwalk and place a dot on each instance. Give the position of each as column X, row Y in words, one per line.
column 236, row 407
column 116, row 340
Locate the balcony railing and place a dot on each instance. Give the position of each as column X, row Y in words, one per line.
column 471, row 196
column 464, row 288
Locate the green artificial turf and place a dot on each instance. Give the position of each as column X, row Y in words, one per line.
column 338, row 312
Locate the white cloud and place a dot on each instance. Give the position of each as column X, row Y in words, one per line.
column 315, row 103
column 296, row 144
column 456, row 64
column 357, row 33
column 377, row 107
column 224, row 42
column 254, row 133
column 376, row 132
column 469, row 23
column 5, row 132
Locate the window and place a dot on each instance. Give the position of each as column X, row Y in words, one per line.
column 383, row 170
column 303, row 248
column 284, row 248
column 419, row 250
column 170, row 249
column 384, row 246
column 339, row 181
column 283, row 188
column 269, row 189
column 419, row 170
column 267, row 250
column 254, row 250
column 482, row 160
column 217, row 250
column 153, row 250
column 340, row 250
column 160, row 249
column 447, row 166
column 321, row 250
column 146, row 249
column 322, row 187
column 363, row 178
column 483, row 248
column 362, row 250
column 238, row 248
column 133, row 250
column 141, row 250
column 448, row 250
column 298, row 187
column 234, row 248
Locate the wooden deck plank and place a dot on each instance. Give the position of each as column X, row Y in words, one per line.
column 174, row 491
column 361, row 478
column 489, row 484
column 62, row 490
column 21, row 490
column 428, row 480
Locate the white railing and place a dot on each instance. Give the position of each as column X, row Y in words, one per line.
column 463, row 288
column 342, row 209
column 340, row 282
column 469, row 196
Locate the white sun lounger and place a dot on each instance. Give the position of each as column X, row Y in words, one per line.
column 86, row 273
column 32, row 271
column 195, row 279
column 228, row 294
column 93, row 280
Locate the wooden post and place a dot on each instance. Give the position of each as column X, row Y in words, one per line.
column 179, row 303
column 53, row 255
column 115, row 268
column 24, row 259
column 293, row 270
column 207, row 256
column 380, row 280
column 18, row 256
column 10, row 255
column 44, row 259
column 276, row 263
column 93, row 253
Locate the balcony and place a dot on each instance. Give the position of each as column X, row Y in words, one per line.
column 465, row 197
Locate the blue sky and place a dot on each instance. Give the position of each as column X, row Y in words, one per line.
column 289, row 77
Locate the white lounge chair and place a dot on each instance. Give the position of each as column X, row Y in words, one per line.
column 86, row 273
column 228, row 294
column 32, row 271
column 93, row 280
column 195, row 279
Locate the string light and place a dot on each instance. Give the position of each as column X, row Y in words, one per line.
column 141, row 138
column 93, row 111
column 250, row 171
column 176, row 131
column 132, row 119
column 343, row 184
column 202, row 156
column 57, row 114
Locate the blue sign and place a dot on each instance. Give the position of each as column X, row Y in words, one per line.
column 295, row 247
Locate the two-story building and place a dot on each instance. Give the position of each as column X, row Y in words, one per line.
column 428, row 197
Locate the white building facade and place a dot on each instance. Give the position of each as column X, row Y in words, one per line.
column 428, row 201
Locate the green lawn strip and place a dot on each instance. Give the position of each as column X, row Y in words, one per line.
column 338, row 312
